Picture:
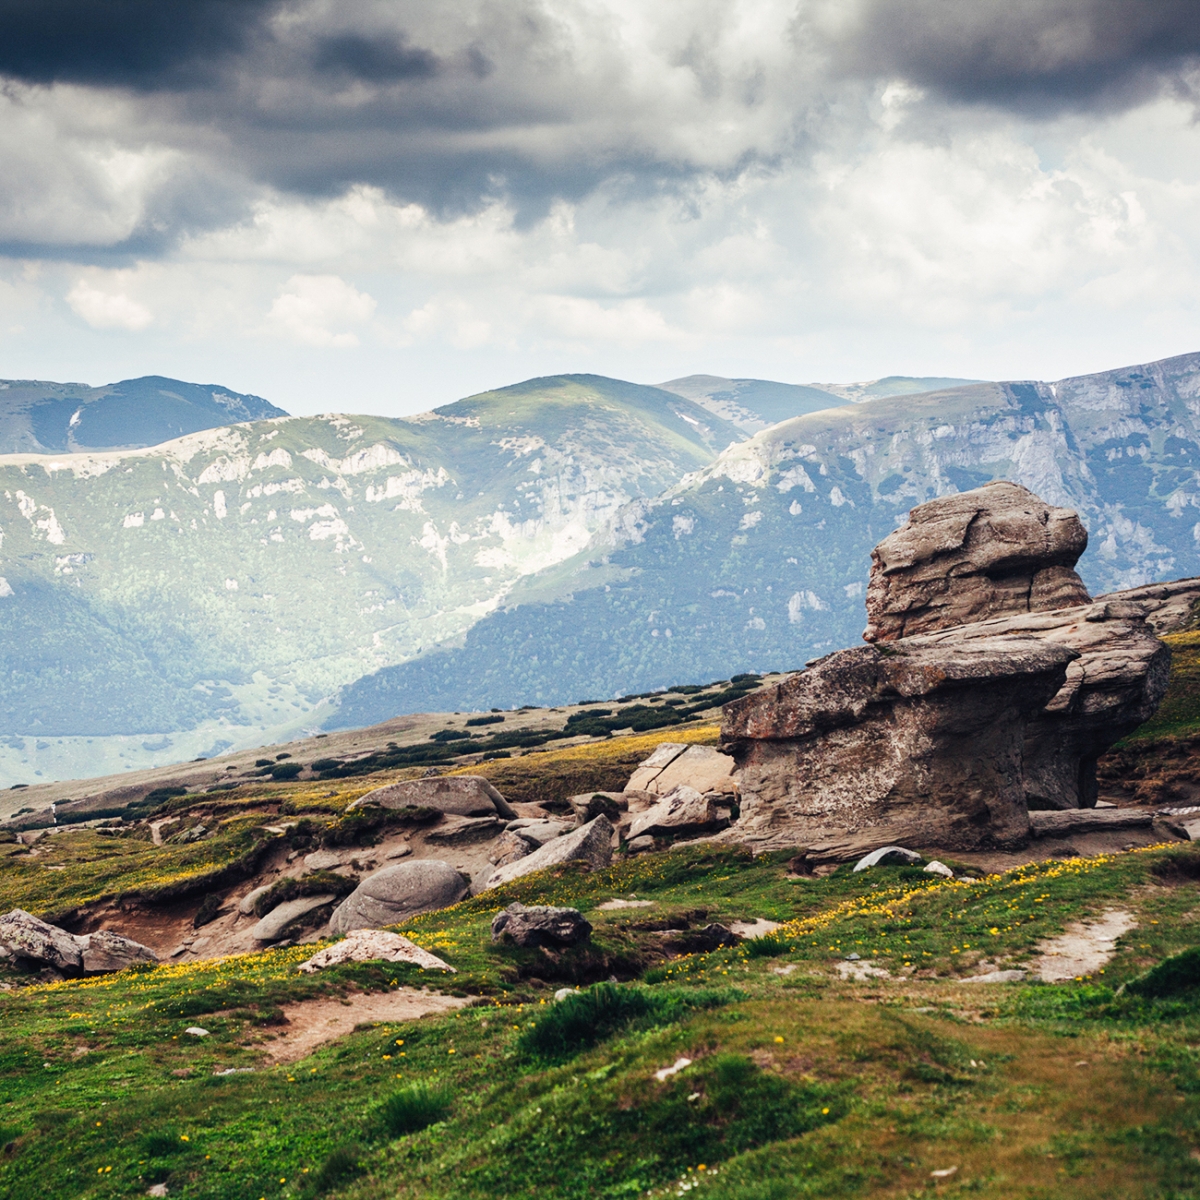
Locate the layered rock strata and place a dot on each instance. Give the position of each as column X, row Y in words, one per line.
column 992, row 684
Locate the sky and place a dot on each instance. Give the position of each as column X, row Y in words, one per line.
column 383, row 205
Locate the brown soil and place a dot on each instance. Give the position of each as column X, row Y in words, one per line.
column 312, row 1023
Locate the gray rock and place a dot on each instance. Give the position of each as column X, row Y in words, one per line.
column 640, row 844
column 1169, row 607
column 996, row 550
column 456, row 795
column 682, row 810
column 938, row 868
column 509, row 847
column 29, row 937
column 392, row 895
column 283, row 917
column 538, row 832
column 591, row 844
column 1014, row 976
column 246, row 903
column 540, row 925
column 590, row 805
column 465, row 831
column 104, row 951
column 888, row 856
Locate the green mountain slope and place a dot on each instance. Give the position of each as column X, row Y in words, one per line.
column 752, row 404
column 760, row 561
column 36, row 416
column 226, row 581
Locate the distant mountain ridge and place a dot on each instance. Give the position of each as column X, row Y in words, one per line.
column 38, row 417
column 759, row 560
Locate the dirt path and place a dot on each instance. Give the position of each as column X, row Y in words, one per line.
column 1083, row 947
column 312, row 1023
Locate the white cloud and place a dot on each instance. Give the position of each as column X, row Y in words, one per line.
column 312, row 308
column 103, row 309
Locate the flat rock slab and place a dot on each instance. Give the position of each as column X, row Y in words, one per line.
column 465, row 831
column 699, row 767
column 456, row 795
column 1086, row 820
column 276, row 923
column 614, row 905
column 313, row 1023
column 683, row 809
column 1013, row 976
column 752, row 929
column 374, row 945
column 538, row 832
column 1082, row 948
column 591, row 843
column 888, row 856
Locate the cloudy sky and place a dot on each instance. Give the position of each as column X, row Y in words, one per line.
column 381, row 205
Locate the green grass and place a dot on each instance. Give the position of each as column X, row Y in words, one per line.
column 799, row 1083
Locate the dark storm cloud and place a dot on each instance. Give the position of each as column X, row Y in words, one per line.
column 380, row 60
column 140, row 44
column 1030, row 55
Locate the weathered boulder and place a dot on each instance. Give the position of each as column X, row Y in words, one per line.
column 283, row 917
column 683, row 810
column 537, row 831
column 590, row 805
column 590, row 844
column 540, row 925
column 888, row 856
column 29, row 937
column 374, row 945
column 464, row 831
column 509, row 847
column 104, row 951
column 1169, row 607
column 664, row 754
column 456, row 795
column 996, row 550
column 902, row 741
column 703, row 768
column 392, row 895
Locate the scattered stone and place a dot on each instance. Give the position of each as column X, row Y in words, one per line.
column 197, row 1031
column 390, row 896
column 674, row 1069
column 455, row 795
column 590, row 805
column 374, row 945
column 944, row 1173
column 246, row 904
column 564, row 992
column 683, row 810
column 29, row 937
column 509, row 847
column 328, row 860
column 753, row 929
column 640, row 845
column 861, row 972
column 613, row 905
column 888, row 856
column 465, row 831
column 157, row 1189
column 590, row 844
column 540, row 925
column 538, row 832
column 938, row 868
column 1013, row 976
column 282, row 917
column 401, row 851
column 104, row 951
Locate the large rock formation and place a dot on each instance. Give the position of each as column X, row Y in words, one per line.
column 1014, row 683
column 396, row 893
column 998, row 549
column 36, row 943
column 455, row 795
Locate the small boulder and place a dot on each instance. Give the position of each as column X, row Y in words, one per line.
column 590, row 805
column 104, row 951
column 374, row 945
column 538, row 832
column 652, row 767
column 591, row 844
column 455, row 795
column 282, row 917
column 394, row 894
column 29, row 937
column 640, row 844
column 938, row 868
column 540, row 925
column 683, row 810
column 247, row 902
column 197, row 1031
column 509, row 847
column 888, row 856
column 701, row 767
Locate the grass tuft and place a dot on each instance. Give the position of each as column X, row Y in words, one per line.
column 415, row 1107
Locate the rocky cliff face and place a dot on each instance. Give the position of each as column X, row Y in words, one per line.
column 949, row 737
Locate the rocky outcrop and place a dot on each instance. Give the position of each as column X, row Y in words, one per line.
column 374, row 945
column 590, row 844
column 964, row 558
column 682, row 810
column 37, row 943
column 283, row 918
column 674, row 765
column 1169, row 607
column 982, row 695
column 455, row 795
column 540, row 925
column 396, row 893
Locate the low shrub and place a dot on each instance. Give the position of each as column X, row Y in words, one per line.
column 768, row 945
column 586, row 1018
column 414, row 1107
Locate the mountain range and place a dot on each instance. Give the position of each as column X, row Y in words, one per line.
column 566, row 538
